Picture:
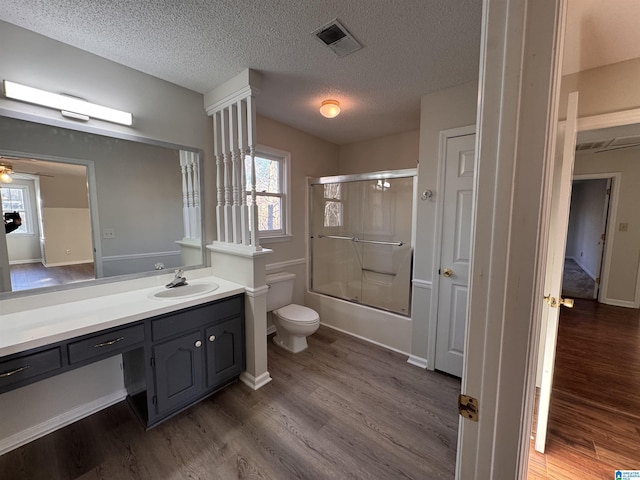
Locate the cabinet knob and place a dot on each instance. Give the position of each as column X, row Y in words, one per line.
column 212, row 338
column 198, row 343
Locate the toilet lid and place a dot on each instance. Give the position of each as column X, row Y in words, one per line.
column 298, row 313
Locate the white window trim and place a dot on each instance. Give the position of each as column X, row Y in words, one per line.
column 276, row 154
column 30, row 214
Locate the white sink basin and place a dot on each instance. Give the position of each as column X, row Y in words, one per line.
column 189, row 290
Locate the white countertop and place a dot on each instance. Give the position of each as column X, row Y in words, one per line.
column 31, row 328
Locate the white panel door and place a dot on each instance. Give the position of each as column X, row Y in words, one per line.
column 560, row 203
column 455, row 254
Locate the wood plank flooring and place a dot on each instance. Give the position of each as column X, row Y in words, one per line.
column 35, row 275
column 594, row 419
column 342, row 409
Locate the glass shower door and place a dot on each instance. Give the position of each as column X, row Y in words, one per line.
column 361, row 241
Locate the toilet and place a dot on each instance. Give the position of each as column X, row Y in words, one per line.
column 294, row 323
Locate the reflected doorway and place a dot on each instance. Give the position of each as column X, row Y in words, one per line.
column 54, row 245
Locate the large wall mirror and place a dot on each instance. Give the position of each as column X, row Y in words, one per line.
column 95, row 207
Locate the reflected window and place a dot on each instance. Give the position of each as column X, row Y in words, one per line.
column 332, row 205
column 16, row 199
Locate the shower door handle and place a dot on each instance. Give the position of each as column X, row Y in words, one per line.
column 447, row 272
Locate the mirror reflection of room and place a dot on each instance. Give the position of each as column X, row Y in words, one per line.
column 53, row 244
column 81, row 196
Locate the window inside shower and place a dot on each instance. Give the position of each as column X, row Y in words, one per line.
column 361, row 234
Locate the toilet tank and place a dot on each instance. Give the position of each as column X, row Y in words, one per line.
column 280, row 290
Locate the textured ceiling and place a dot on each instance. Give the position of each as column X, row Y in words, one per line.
column 411, row 47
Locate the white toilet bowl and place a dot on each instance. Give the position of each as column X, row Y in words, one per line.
column 294, row 323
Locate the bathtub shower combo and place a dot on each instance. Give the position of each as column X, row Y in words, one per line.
column 361, row 238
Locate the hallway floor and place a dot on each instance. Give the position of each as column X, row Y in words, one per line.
column 576, row 283
column 594, row 420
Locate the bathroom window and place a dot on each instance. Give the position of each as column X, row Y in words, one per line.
column 271, row 191
column 16, row 199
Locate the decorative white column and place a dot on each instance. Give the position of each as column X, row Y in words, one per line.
column 190, row 170
column 236, row 255
column 191, row 243
column 217, row 150
column 242, row 151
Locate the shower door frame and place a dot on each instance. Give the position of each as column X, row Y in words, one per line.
column 357, row 177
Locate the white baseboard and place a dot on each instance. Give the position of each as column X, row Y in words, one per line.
column 365, row 339
column 64, row 264
column 255, row 382
column 619, row 303
column 22, row 262
column 418, row 361
column 32, row 433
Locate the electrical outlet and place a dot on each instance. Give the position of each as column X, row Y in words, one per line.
column 624, row 227
column 108, row 233
column 68, row 251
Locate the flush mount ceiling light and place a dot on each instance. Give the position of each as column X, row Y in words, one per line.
column 5, row 173
column 69, row 106
column 330, row 108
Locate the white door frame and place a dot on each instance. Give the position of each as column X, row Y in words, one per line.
column 93, row 197
column 445, row 135
column 520, row 60
column 519, row 86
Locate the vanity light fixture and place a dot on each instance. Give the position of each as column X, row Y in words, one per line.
column 69, row 106
column 330, row 108
column 5, row 173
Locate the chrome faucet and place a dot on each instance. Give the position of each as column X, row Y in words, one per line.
column 178, row 281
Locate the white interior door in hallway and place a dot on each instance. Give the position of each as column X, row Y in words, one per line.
column 455, row 252
column 560, row 203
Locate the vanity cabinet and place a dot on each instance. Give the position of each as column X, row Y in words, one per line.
column 170, row 361
column 22, row 369
column 192, row 354
column 177, row 366
column 225, row 351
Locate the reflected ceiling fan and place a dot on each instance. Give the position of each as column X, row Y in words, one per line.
column 7, row 170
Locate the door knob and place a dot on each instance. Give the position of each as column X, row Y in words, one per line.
column 447, row 272
column 567, row 302
column 198, row 344
column 212, row 338
column 556, row 302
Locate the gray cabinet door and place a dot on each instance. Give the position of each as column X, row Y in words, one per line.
column 225, row 351
column 178, row 371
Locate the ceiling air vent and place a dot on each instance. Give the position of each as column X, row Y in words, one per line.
column 337, row 38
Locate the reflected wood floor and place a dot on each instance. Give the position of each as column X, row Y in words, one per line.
column 594, row 419
column 342, row 409
column 35, row 275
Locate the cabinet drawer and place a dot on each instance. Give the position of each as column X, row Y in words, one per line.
column 105, row 344
column 197, row 317
column 29, row 366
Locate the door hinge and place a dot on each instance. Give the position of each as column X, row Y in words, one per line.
column 603, row 236
column 154, row 400
column 608, row 191
column 468, row 407
column 153, row 362
column 597, row 279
